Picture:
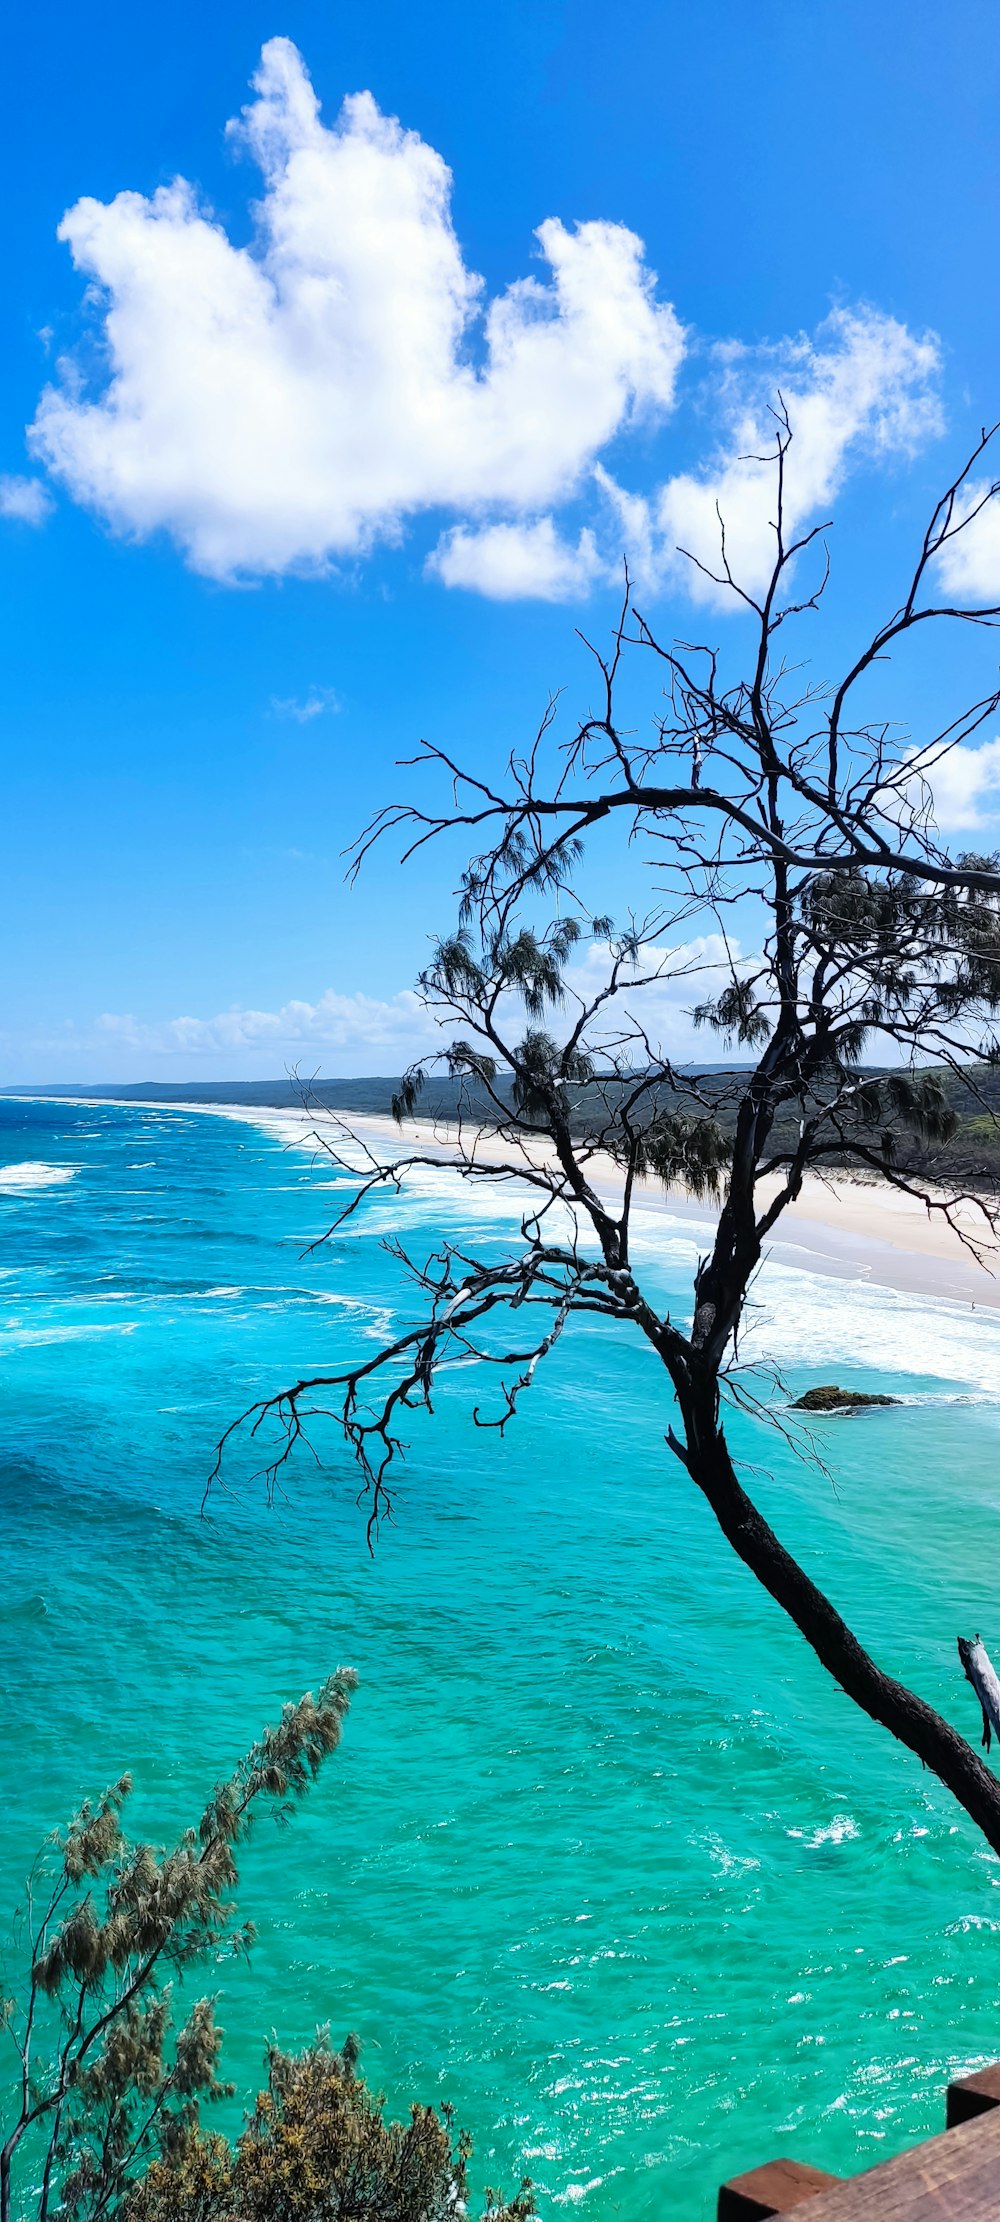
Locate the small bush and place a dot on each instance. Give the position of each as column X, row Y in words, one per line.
column 318, row 2148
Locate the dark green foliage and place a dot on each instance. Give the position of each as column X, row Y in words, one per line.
column 463, row 1062
column 908, row 941
column 318, row 2148
column 543, row 1075
column 736, row 1014
column 526, row 964
column 969, row 1150
column 105, row 2081
column 404, row 1098
column 679, row 1150
column 915, row 1103
column 107, row 2116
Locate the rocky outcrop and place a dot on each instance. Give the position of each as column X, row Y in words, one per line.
column 832, row 1399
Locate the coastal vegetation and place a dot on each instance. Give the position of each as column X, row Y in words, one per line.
column 964, row 1148
column 316, row 2148
column 105, row 2118
column 106, row 2081
column 780, row 839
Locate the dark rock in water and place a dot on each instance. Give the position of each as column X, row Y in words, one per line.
column 839, row 1400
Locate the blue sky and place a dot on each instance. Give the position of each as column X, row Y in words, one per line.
column 332, row 505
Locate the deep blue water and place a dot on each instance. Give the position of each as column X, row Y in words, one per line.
column 604, row 1858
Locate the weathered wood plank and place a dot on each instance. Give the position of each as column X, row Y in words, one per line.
column 973, row 2094
column 982, row 1674
column 774, row 2189
column 951, row 2178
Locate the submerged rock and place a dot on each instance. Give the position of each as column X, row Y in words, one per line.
column 831, row 1399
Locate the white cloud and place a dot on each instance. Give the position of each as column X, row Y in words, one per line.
column 319, row 702
column 675, row 979
column 970, row 563
column 26, row 499
column 351, row 1034
column 354, row 1033
column 964, row 783
column 518, row 562
column 864, row 387
column 278, row 406
column 357, row 1023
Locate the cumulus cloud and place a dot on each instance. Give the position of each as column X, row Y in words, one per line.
column 517, row 562
column 357, row 1023
column 354, row 1032
column 288, row 404
column 863, row 387
column 659, row 992
column 25, row 499
column 964, row 784
column 278, row 406
column 970, row 562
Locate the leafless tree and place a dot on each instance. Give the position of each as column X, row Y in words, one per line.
column 876, row 977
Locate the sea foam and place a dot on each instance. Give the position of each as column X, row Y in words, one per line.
column 34, row 1174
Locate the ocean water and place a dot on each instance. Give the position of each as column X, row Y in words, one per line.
column 604, row 1859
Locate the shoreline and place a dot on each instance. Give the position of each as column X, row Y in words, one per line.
column 842, row 1226
column 847, row 1228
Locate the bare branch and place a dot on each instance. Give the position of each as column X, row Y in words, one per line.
column 851, row 1026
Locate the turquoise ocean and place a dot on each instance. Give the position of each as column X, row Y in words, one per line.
column 604, row 1859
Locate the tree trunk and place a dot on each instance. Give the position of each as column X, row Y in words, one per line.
column 906, row 1716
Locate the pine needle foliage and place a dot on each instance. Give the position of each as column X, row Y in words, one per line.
column 318, row 2148
column 107, row 2080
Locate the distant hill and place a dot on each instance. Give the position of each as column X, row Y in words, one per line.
column 373, row 1095
column 972, row 1154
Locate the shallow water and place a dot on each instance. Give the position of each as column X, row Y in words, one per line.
column 604, row 1858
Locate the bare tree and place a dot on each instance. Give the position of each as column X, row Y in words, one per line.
column 873, row 943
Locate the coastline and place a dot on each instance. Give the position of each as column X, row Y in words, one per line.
column 841, row 1226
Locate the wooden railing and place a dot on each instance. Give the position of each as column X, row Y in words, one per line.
column 951, row 2178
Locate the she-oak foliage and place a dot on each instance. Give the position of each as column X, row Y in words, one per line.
column 318, row 2148
column 105, row 2120
column 105, row 2080
column 875, row 981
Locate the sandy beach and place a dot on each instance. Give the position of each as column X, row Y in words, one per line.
column 842, row 1226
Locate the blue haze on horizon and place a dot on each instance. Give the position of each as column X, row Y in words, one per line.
column 174, row 821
